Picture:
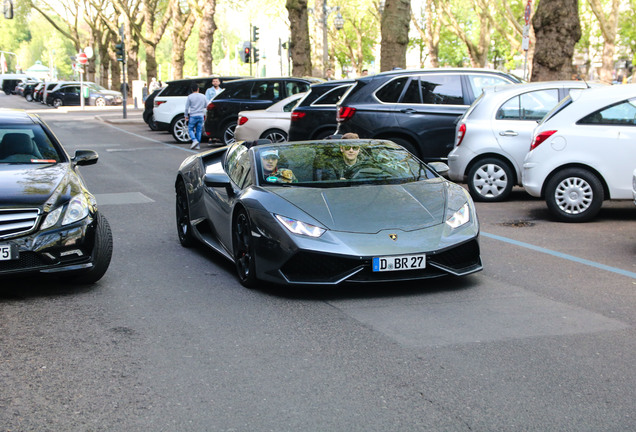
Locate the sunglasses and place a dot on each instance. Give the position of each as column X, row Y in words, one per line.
column 354, row 148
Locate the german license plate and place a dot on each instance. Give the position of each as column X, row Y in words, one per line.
column 400, row 262
column 8, row 252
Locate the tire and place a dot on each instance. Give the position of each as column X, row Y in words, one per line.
column 274, row 135
column 152, row 124
column 404, row 143
column 57, row 102
column 574, row 195
column 179, row 130
column 243, row 250
column 228, row 133
column 102, row 253
column 184, row 228
column 100, row 102
column 490, row 180
column 29, row 97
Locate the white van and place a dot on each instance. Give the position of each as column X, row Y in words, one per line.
column 9, row 81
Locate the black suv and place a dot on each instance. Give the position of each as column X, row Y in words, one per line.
column 416, row 109
column 243, row 95
column 315, row 115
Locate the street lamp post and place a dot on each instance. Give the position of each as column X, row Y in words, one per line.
column 338, row 23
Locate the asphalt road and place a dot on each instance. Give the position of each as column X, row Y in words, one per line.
column 543, row 339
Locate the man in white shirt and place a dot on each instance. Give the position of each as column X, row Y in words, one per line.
column 214, row 90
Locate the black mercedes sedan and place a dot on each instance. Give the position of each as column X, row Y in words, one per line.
column 49, row 221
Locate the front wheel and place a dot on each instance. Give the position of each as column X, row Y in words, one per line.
column 574, row 195
column 179, row 130
column 102, row 253
column 228, row 133
column 184, row 228
column 100, row 102
column 274, row 135
column 490, row 180
column 29, row 97
column 243, row 246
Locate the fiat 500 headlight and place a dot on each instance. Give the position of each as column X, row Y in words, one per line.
column 76, row 210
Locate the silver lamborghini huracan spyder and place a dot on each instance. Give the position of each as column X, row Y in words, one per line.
column 327, row 212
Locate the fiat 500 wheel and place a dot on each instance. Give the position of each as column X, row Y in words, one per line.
column 574, row 195
column 490, row 180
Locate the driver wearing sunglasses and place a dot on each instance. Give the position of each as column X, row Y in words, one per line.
column 346, row 167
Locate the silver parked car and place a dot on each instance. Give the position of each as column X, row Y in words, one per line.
column 494, row 135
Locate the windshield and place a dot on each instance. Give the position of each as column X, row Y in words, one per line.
column 338, row 163
column 26, row 144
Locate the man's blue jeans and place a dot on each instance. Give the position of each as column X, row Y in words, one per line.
column 195, row 125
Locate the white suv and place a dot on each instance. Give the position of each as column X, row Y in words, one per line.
column 169, row 105
column 583, row 152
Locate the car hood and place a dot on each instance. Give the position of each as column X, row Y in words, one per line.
column 41, row 186
column 372, row 208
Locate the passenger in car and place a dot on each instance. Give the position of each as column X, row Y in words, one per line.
column 272, row 172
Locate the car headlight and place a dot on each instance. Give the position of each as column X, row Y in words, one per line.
column 298, row 227
column 460, row 217
column 76, row 209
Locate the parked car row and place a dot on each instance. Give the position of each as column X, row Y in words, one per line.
column 67, row 93
column 481, row 121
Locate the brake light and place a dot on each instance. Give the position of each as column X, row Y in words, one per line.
column 297, row 115
column 345, row 113
column 210, row 106
column 461, row 133
column 540, row 138
column 157, row 103
column 242, row 120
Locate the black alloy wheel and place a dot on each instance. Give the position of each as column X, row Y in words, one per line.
column 184, row 228
column 243, row 246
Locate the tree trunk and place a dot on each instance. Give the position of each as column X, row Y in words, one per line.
column 609, row 27
column 557, row 29
column 395, row 34
column 207, row 28
column 432, row 32
column 299, row 43
column 318, row 68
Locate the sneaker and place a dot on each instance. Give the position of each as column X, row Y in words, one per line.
column 195, row 145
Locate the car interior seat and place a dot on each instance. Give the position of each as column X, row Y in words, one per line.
column 17, row 143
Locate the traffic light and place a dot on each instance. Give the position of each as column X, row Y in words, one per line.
column 120, row 51
column 246, row 52
column 255, row 35
column 255, row 51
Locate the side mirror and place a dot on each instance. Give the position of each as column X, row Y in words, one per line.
column 85, row 157
column 440, row 168
column 218, row 180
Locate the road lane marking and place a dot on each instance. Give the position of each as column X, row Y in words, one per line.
column 122, row 198
column 150, row 139
column 561, row 255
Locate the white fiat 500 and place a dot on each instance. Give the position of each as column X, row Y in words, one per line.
column 583, row 152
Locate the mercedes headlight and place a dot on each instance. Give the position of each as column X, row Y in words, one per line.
column 76, row 210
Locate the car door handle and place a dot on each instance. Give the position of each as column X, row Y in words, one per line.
column 508, row 133
column 408, row 111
